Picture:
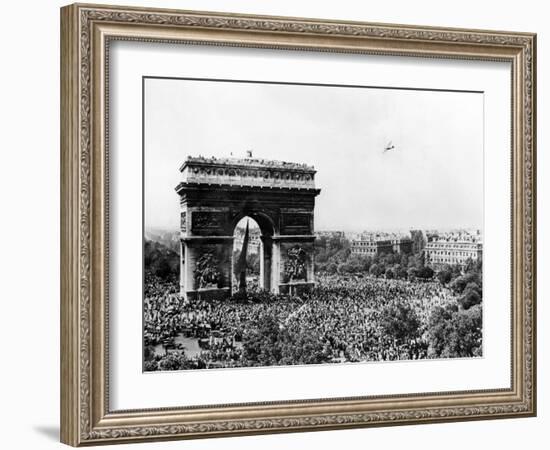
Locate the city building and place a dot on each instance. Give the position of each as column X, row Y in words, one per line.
column 453, row 249
column 254, row 240
column 419, row 239
column 402, row 245
column 330, row 234
column 371, row 244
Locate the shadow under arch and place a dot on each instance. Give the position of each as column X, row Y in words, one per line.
column 267, row 227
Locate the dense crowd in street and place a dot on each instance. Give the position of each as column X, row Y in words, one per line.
column 342, row 312
column 345, row 311
column 166, row 314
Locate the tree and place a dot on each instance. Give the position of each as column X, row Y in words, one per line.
column 261, row 343
column 366, row 263
column 353, row 265
column 419, row 260
column 331, row 252
column 456, row 270
column 455, row 332
column 150, row 366
column 172, row 361
column 163, row 268
column 401, row 272
column 270, row 343
column 445, row 275
column 418, row 240
column 159, row 260
column 471, row 296
column 470, row 265
column 458, row 285
column 376, row 270
column 473, row 286
column 400, row 322
column 425, row 273
column 148, row 353
column 302, row 347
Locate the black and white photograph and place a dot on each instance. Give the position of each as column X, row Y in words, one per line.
column 279, row 224
column 293, row 224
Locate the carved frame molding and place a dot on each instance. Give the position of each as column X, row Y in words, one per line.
column 85, row 34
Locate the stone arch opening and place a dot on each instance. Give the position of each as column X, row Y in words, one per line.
column 267, row 230
column 265, row 223
column 217, row 193
column 247, row 253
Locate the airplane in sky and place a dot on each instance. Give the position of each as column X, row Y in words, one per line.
column 389, row 147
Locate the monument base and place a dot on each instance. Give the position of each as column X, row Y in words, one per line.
column 208, row 294
column 296, row 288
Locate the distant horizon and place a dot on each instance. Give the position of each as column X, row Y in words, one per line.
column 253, row 224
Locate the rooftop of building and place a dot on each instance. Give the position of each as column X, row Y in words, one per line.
column 248, row 162
column 246, row 173
column 458, row 237
column 382, row 236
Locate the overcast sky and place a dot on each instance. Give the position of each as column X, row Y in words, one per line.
column 432, row 179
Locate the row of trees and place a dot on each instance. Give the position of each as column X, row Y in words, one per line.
column 333, row 255
column 452, row 331
column 468, row 285
column 160, row 261
column 455, row 331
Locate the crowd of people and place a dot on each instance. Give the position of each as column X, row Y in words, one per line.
column 167, row 315
column 346, row 314
column 343, row 313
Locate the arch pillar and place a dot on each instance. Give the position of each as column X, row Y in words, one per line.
column 296, row 262
column 266, row 262
column 205, row 269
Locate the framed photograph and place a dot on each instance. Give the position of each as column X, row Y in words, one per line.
column 275, row 224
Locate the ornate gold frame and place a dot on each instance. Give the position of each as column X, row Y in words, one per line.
column 85, row 34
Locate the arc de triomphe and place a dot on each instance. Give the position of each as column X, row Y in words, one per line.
column 216, row 193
